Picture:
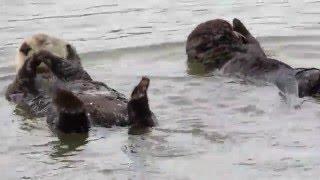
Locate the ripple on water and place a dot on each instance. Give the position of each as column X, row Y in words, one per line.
column 209, row 125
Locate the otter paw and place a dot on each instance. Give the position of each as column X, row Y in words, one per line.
column 42, row 55
column 239, row 27
column 31, row 64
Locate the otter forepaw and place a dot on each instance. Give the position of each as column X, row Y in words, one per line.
column 72, row 114
column 29, row 67
column 42, row 55
column 239, row 27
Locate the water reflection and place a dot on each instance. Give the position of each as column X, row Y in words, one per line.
column 137, row 130
column 209, row 126
column 68, row 144
column 197, row 68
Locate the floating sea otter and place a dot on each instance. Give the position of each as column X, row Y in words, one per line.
column 51, row 82
column 233, row 50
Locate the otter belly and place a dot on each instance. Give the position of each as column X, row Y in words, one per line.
column 105, row 106
column 104, row 110
column 264, row 69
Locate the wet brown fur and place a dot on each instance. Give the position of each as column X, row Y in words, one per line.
column 232, row 49
column 76, row 97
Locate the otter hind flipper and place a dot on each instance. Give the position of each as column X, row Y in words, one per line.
column 139, row 111
column 72, row 116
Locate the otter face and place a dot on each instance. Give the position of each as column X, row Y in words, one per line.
column 39, row 42
column 211, row 39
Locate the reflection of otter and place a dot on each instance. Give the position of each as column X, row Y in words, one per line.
column 233, row 50
column 64, row 92
column 68, row 143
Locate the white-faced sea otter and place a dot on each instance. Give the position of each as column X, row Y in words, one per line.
column 51, row 82
column 232, row 49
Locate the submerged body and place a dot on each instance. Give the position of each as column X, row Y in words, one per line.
column 65, row 93
column 232, row 49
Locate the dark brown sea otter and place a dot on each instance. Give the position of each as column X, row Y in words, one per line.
column 66, row 94
column 233, row 50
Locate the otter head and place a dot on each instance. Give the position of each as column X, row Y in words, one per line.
column 212, row 40
column 39, row 42
column 139, row 112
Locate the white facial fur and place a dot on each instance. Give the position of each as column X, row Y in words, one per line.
column 41, row 42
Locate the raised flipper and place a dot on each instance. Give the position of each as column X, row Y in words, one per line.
column 63, row 69
column 140, row 115
column 253, row 43
column 68, row 114
column 239, row 27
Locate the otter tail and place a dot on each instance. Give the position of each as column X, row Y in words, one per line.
column 72, row 116
column 140, row 115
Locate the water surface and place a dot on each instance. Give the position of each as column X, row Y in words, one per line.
column 210, row 127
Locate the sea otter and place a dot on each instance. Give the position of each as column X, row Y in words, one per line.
column 41, row 41
column 51, row 82
column 233, row 50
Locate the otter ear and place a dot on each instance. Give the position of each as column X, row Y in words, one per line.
column 25, row 48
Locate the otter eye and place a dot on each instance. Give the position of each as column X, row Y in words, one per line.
column 25, row 48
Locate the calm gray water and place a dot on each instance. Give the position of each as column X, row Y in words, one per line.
column 209, row 127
